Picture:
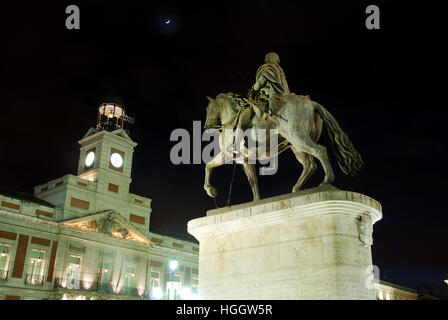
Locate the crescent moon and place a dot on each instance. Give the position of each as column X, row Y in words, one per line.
column 168, row 21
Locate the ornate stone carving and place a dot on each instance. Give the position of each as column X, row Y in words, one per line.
column 123, row 231
column 88, row 225
column 365, row 229
column 107, row 224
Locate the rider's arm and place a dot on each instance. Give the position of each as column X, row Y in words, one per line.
column 261, row 81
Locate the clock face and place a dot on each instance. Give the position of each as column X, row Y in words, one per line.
column 116, row 159
column 90, row 158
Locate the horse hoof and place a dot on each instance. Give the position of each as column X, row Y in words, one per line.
column 212, row 192
column 323, row 184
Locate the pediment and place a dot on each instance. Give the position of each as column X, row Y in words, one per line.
column 122, row 133
column 90, row 132
column 108, row 222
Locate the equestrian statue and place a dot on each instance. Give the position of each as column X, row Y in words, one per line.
column 298, row 120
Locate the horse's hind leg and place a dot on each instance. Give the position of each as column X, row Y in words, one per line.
column 249, row 169
column 309, row 166
column 304, row 143
column 215, row 162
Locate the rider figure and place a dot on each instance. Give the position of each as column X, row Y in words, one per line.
column 270, row 72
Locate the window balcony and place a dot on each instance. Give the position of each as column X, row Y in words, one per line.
column 75, row 284
column 129, row 291
column 34, row 279
column 3, row 275
column 99, row 287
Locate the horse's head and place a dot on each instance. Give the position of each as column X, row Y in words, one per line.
column 213, row 114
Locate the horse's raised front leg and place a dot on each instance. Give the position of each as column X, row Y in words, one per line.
column 215, row 162
column 309, row 166
column 249, row 169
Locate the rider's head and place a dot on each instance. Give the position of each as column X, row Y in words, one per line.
column 272, row 57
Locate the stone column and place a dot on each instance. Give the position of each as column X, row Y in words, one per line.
column 61, row 258
column 313, row 244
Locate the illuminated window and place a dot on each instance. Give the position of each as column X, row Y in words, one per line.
column 36, row 262
column 155, row 279
column 174, row 287
column 195, row 285
column 73, row 271
column 36, row 267
column 381, row 296
column 129, row 277
column 4, row 261
column 387, row 296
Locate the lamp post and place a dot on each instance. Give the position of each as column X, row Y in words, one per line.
column 173, row 266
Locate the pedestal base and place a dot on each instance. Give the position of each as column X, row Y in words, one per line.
column 313, row 244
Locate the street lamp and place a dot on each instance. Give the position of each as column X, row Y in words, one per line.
column 173, row 266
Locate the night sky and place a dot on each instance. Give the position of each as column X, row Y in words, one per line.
column 385, row 87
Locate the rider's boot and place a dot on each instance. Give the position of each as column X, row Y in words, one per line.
column 238, row 141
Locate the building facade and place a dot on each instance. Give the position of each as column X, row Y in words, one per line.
column 87, row 236
column 390, row 291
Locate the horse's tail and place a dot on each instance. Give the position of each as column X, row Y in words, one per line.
column 348, row 158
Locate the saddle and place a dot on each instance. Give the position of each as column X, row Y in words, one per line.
column 241, row 104
column 261, row 108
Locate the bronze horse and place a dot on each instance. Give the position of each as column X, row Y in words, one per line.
column 299, row 120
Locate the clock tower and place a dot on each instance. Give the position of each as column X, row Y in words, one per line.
column 103, row 176
column 106, row 152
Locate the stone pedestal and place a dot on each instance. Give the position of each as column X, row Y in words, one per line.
column 313, row 244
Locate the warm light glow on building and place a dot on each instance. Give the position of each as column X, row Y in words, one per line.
column 117, row 288
column 87, row 281
column 157, row 293
column 188, row 295
column 140, row 291
column 91, row 175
